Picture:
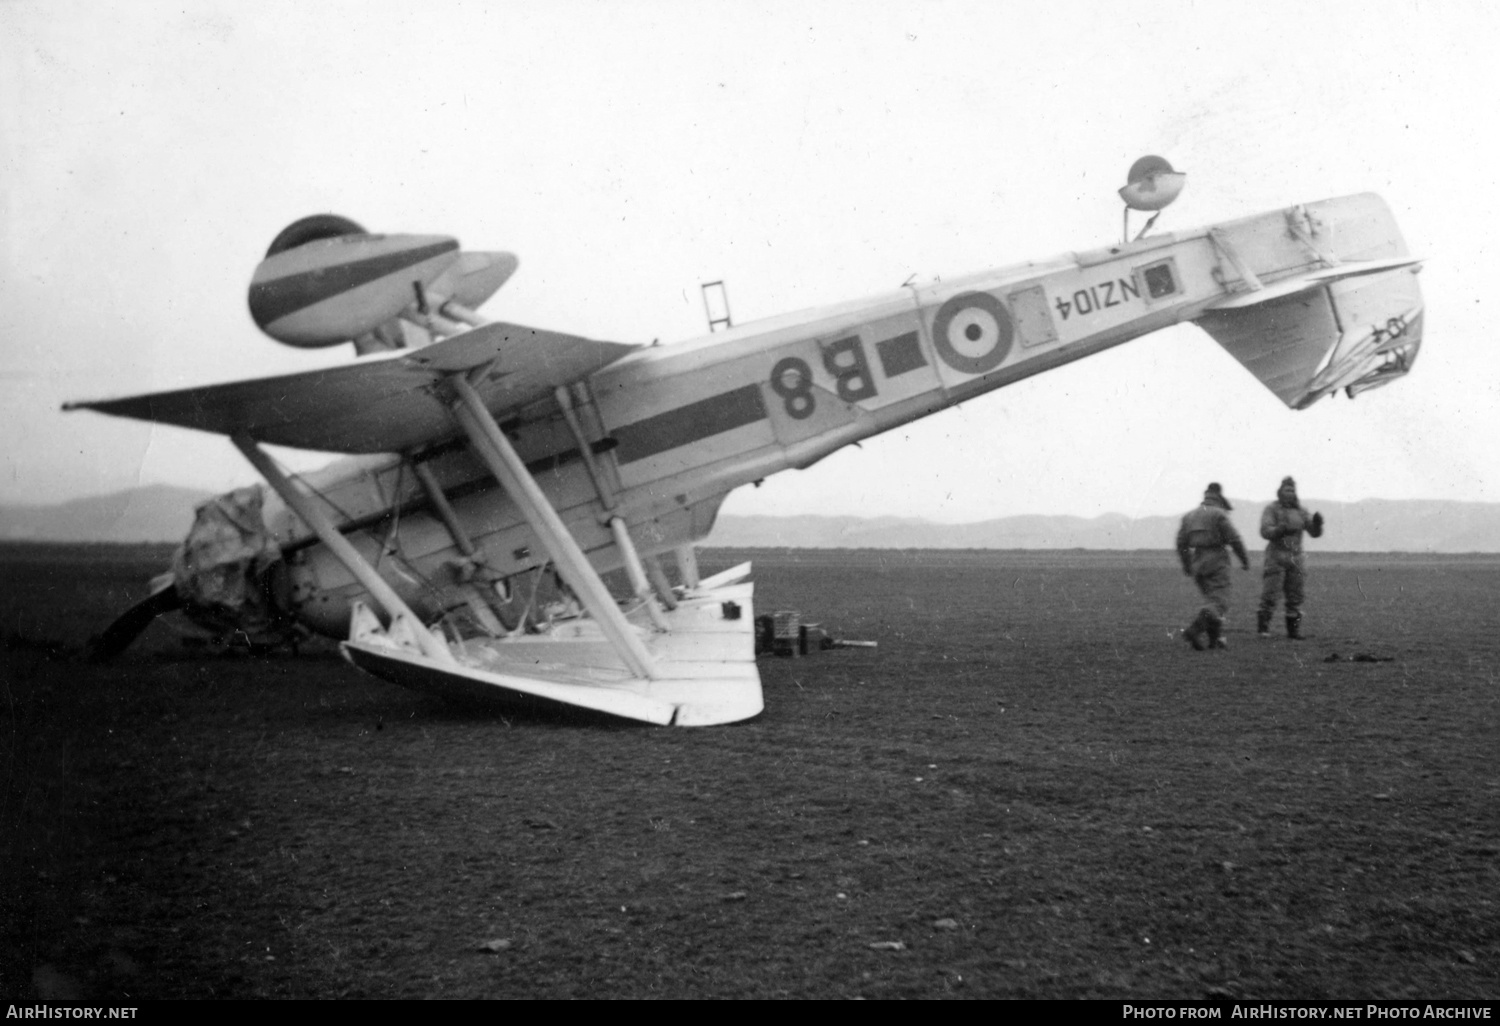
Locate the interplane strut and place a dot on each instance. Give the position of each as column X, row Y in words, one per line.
column 497, row 454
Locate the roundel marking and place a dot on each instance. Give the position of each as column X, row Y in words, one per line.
column 973, row 332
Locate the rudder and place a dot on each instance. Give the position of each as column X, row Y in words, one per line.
column 1351, row 320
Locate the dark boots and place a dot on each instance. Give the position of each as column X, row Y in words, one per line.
column 1205, row 632
column 1196, row 632
column 1293, row 624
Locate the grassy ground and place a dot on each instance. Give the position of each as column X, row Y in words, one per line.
column 1031, row 788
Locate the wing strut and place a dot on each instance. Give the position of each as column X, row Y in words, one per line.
column 660, row 583
column 570, row 415
column 477, row 603
column 687, row 566
column 634, row 569
column 432, row 647
column 492, row 447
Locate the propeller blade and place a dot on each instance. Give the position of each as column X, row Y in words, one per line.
column 129, row 624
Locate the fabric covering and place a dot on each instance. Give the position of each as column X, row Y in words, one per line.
column 219, row 568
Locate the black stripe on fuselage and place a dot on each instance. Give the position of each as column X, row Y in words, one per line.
column 453, row 492
column 272, row 300
column 690, row 423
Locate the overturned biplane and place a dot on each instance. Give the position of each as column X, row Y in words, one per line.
column 486, row 455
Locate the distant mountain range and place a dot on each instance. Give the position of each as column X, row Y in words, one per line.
column 1371, row 525
column 163, row 513
column 152, row 513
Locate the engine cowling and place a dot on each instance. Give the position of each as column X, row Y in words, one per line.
column 325, row 280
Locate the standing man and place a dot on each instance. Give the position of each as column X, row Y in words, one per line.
column 1205, row 534
column 1281, row 525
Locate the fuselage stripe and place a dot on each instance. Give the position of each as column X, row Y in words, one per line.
column 690, row 423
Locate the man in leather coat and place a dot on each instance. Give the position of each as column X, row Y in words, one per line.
column 1203, row 542
column 1282, row 525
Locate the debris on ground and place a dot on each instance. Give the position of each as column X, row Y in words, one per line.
column 783, row 633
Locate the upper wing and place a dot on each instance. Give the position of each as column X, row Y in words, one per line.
column 383, row 403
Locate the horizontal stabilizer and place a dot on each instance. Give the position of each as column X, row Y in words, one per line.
column 381, row 403
column 1310, row 280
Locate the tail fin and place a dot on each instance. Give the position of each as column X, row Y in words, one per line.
column 1353, row 321
column 1355, row 334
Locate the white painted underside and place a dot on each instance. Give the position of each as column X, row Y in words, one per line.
column 704, row 663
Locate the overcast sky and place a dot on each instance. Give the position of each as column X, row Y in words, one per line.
column 805, row 152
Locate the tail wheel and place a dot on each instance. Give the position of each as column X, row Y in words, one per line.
column 311, row 229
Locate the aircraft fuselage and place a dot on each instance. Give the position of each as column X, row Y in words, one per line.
column 674, row 428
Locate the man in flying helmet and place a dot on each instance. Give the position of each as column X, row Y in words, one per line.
column 1203, row 542
column 1282, row 525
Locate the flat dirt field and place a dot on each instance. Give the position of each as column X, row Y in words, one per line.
column 1032, row 788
